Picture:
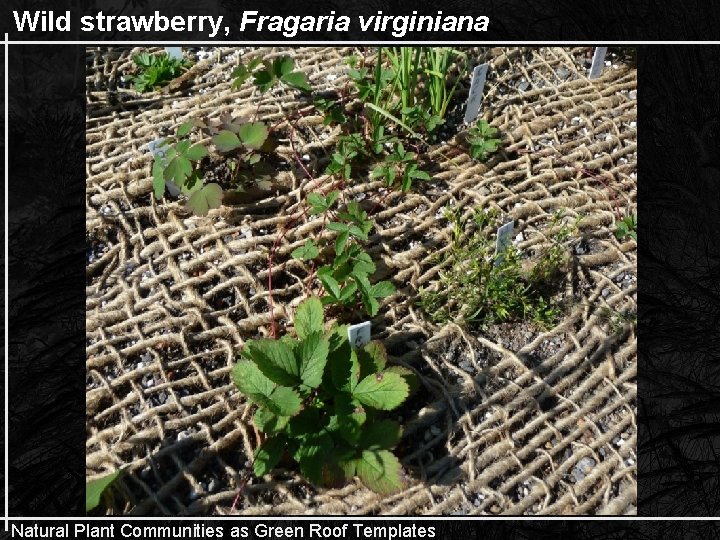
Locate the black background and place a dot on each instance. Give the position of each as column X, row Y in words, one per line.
column 679, row 247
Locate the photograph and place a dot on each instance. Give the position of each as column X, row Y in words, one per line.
column 361, row 280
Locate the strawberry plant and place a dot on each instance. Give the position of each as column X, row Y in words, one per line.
column 179, row 161
column 400, row 167
column 319, row 403
column 156, row 70
column 346, row 278
column 279, row 70
column 482, row 140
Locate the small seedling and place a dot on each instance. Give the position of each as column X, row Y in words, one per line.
column 278, row 70
column 400, row 167
column 180, row 159
column 319, row 403
column 157, row 70
column 334, row 113
column 627, row 228
column 482, row 140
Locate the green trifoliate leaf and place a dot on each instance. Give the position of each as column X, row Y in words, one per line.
column 306, row 252
column 313, row 357
column 382, row 435
column 276, row 360
column 283, row 66
column 380, row 470
column 253, row 135
column 383, row 390
column 268, row 454
column 178, row 169
column 226, row 141
column 309, row 317
column 204, row 199
column 95, row 488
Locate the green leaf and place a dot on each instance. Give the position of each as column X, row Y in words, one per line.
column 309, row 317
column 380, row 470
column 420, row 175
column 226, row 141
column 297, row 80
column 253, row 135
column 285, row 401
column 339, row 227
column 196, row 152
column 363, row 263
column 275, row 359
column 408, row 375
column 317, row 202
column 283, row 66
column 340, row 241
column 313, row 357
column 204, row 199
column 268, row 454
column 306, row 252
column 263, row 79
column 158, row 179
column 344, row 367
column 372, row 357
column 306, row 422
column 178, row 169
column 279, row 400
column 312, row 454
column 383, row 391
column 184, row 129
column 382, row 289
column 348, row 426
column 330, row 284
column 95, row 488
column 382, row 435
column 268, row 422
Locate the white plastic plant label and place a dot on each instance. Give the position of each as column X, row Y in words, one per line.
column 598, row 62
column 359, row 334
column 157, row 148
column 477, row 85
column 504, row 239
column 174, row 52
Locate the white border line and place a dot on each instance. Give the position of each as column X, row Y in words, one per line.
column 7, row 291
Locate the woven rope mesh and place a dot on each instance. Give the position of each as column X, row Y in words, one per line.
column 519, row 421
